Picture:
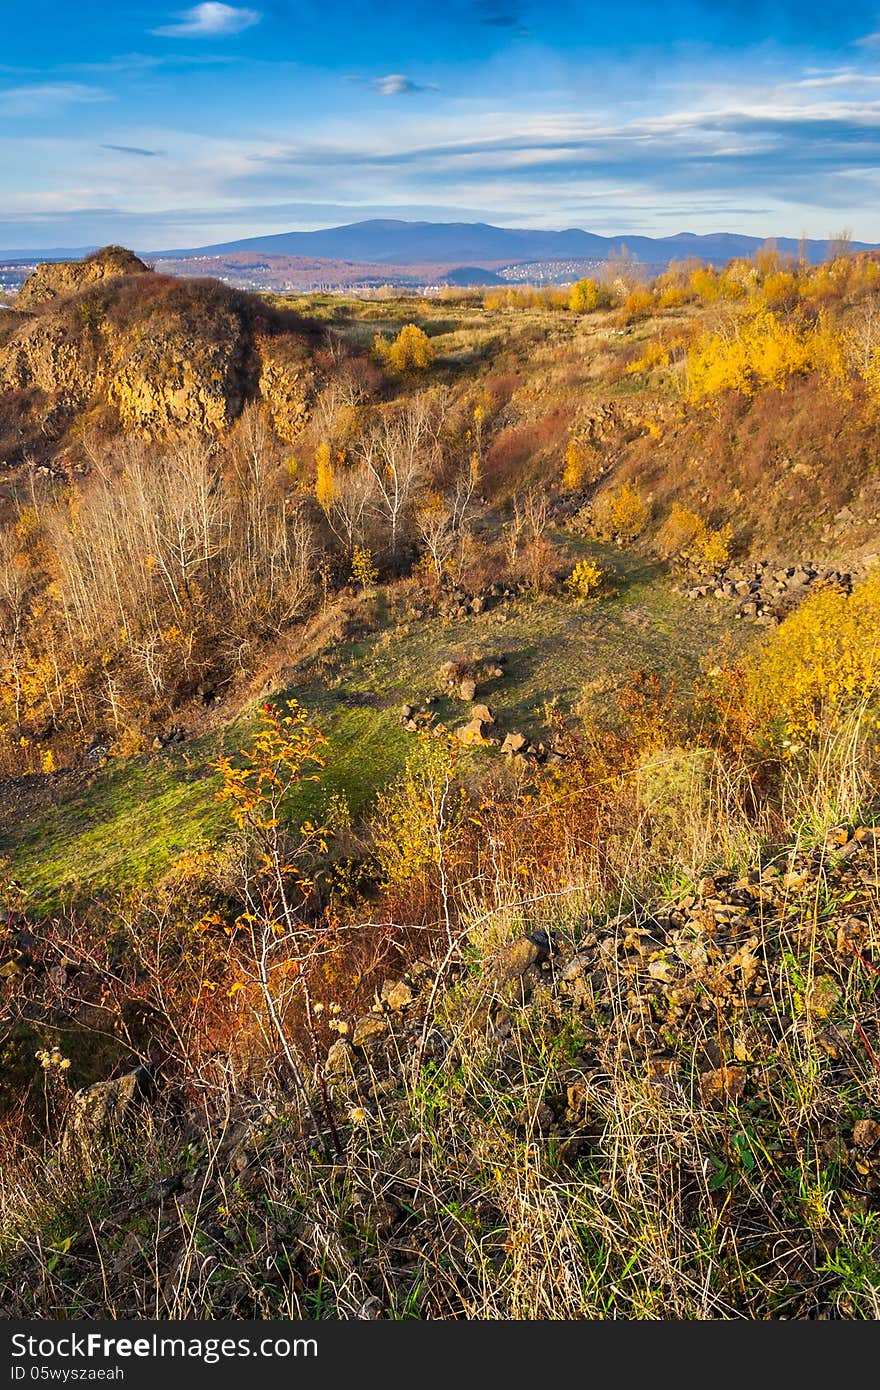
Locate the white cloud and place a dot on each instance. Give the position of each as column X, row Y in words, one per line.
column 397, row 84
column 42, row 97
column 210, row 21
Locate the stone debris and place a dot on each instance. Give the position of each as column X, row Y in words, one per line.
column 765, row 593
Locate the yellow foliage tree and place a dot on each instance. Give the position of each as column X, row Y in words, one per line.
column 363, row 571
column 584, row 297
column 411, row 350
column 285, row 753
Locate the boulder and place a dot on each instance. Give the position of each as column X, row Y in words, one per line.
column 467, row 688
column 396, row 995
column 340, row 1058
column 515, row 743
column 368, row 1030
column 866, row 1133
column 476, row 732
column 510, row 974
column 97, row 1112
column 482, row 714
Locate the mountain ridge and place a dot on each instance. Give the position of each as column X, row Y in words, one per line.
column 397, row 242
column 394, row 241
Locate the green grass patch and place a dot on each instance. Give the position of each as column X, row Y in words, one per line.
column 131, row 820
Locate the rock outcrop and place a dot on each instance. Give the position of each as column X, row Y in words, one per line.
column 108, row 341
column 61, row 279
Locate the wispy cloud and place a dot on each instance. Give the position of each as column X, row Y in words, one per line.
column 397, row 84
column 133, row 149
column 846, row 78
column 43, row 98
column 801, row 155
column 209, row 21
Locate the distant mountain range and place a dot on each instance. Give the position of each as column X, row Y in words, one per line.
column 479, row 245
column 412, row 255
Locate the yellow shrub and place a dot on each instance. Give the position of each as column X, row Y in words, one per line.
column 418, row 815
column 638, row 304
column 672, row 297
column 655, row 354
column 586, row 580
column 780, row 289
column 621, row 515
column 705, row 284
column 715, row 548
column 709, row 286
column 325, row 482
column 411, row 350
column 580, row 465
column 679, row 531
column 871, row 374
column 686, row 539
column 822, row 661
column 764, row 352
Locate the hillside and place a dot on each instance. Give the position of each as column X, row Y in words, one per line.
column 439, row 829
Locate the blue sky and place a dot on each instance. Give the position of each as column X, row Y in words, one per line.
column 160, row 124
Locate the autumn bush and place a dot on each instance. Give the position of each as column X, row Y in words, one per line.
column 822, row 663
column 638, row 304
column 164, row 570
column 586, row 296
column 587, row 580
column 620, row 515
column 693, row 546
column 581, row 465
column 411, row 351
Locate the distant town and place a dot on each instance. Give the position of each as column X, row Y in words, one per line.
column 12, row 277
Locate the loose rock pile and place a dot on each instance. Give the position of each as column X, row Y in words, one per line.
column 459, row 602
column 460, row 681
column 764, row 592
column 701, row 978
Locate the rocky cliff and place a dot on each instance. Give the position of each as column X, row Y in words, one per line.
column 108, row 341
column 60, row 279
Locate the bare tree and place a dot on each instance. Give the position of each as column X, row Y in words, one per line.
column 401, row 449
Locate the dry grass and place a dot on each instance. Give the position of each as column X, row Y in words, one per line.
column 620, row 1142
